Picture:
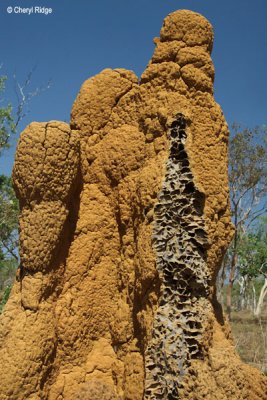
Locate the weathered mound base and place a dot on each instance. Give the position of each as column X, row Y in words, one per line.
column 124, row 222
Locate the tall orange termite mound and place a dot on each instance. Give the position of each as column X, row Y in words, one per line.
column 124, row 222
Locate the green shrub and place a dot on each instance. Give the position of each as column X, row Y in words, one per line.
column 5, row 297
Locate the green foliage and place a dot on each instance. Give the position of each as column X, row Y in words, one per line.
column 8, row 237
column 7, row 124
column 5, row 297
column 9, row 210
column 8, row 269
column 252, row 253
column 247, row 169
column 248, row 188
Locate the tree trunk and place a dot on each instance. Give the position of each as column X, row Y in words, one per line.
column 220, row 284
column 263, row 293
column 254, row 299
column 231, row 282
column 242, row 293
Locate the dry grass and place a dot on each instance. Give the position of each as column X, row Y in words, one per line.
column 250, row 336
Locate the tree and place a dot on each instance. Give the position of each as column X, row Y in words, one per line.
column 8, row 206
column 7, row 123
column 8, row 238
column 252, row 256
column 10, row 117
column 8, row 219
column 247, row 180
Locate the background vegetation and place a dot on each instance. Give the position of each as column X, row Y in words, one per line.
column 242, row 282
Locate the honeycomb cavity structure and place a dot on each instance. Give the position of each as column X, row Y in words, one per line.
column 180, row 243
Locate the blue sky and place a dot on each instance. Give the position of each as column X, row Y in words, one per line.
column 82, row 37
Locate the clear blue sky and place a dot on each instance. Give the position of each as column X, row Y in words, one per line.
column 82, row 37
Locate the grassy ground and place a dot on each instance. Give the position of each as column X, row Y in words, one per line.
column 250, row 336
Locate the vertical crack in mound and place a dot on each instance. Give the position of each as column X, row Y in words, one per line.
column 180, row 243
